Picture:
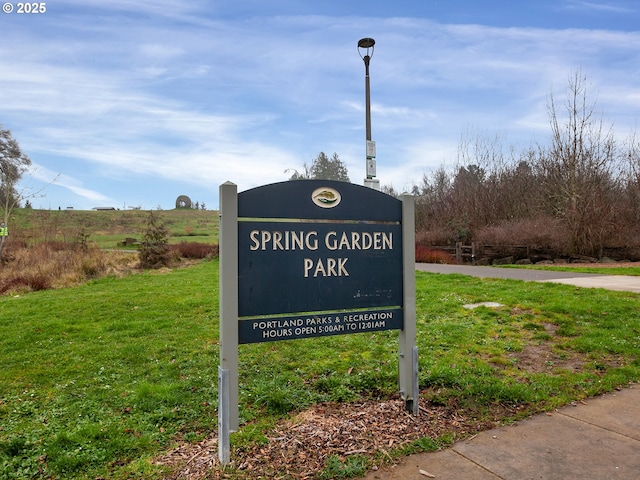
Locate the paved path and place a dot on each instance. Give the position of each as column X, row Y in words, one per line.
column 595, row 439
column 587, row 280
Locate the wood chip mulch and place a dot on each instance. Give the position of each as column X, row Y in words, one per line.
column 299, row 448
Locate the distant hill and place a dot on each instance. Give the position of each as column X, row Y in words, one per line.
column 110, row 228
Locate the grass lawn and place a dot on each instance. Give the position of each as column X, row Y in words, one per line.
column 97, row 380
column 600, row 269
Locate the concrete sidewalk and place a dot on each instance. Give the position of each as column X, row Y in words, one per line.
column 598, row 438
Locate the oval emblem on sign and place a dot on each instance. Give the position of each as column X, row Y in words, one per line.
column 326, row 197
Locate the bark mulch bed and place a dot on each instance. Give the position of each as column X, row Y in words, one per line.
column 299, row 448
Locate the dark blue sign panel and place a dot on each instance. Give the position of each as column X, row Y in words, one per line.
column 304, row 199
column 318, row 258
column 302, row 267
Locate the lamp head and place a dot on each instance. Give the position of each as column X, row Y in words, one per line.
column 366, row 44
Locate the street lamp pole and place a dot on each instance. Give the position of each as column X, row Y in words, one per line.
column 366, row 46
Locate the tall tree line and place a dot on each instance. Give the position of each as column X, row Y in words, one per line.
column 578, row 193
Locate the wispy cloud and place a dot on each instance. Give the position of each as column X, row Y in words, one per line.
column 173, row 95
column 610, row 6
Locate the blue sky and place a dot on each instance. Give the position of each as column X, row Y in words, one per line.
column 132, row 103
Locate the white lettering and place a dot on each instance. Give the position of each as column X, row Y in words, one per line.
column 311, row 243
column 277, row 241
column 387, row 241
column 308, row 264
column 341, row 270
column 287, row 240
column 320, row 269
column 299, row 240
column 376, row 241
column 305, row 331
column 366, row 240
column 344, row 242
column 330, row 241
column 355, row 240
column 296, row 240
column 254, row 238
column 266, row 238
column 367, row 317
column 331, row 267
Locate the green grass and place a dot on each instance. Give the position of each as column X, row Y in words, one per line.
column 581, row 268
column 97, row 376
column 96, row 380
column 109, row 228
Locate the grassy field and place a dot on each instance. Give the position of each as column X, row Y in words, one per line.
column 107, row 229
column 607, row 269
column 100, row 379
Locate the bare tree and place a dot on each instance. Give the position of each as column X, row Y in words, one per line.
column 433, row 199
column 480, row 185
column 577, row 170
column 13, row 164
column 630, row 197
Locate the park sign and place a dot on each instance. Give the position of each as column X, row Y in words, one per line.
column 318, row 258
column 312, row 258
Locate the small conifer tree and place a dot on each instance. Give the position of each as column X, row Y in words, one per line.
column 154, row 249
